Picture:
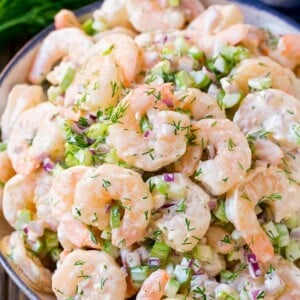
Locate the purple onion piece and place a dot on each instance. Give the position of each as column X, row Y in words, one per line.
column 168, row 102
column 253, row 265
column 146, row 134
column 107, row 208
column 169, row 177
column 295, row 234
column 48, row 165
column 90, row 141
column 200, row 271
column 212, row 204
column 154, row 261
column 255, row 294
column 168, row 205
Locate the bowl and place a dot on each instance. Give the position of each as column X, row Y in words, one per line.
column 15, row 72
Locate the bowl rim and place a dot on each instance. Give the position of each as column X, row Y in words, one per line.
column 42, row 34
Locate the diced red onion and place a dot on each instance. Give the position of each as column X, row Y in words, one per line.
column 92, row 118
column 143, row 252
column 48, row 165
column 168, row 205
column 255, row 294
column 212, row 204
column 295, row 234
column 77, row 128
column 90, row 141
column 200, row 271
column 107, row 208
column 26, row 230
column 253, row 265
column 146, row 134
column 168, row 102
column 169, row 177
column 154, row 261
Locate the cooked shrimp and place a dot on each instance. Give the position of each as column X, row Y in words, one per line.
column 20, row 98
column 282, row 78
column 187, row 219
column 72, row 234
column 125, row 51
column 219, row 239
column 117, row 30
column 90, row 274
column 31, row 269
column 96, row 86
column 66, row 18
column 289, row 45
column 6, row 169
column 71, row 43
column 113, row 13
column 200, row 104
column 150, row 15
column 63, row 190
column 271, row 114
column 159, row 146
column 153, row 287
column 31, row 193
column 230, row 155
column 261, row 184
column 214, row 19
column 36, row 135
column 246, row 35
column 94, row 197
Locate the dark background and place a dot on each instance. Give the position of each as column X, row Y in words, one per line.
column 13, row 39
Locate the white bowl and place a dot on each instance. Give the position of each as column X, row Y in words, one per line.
column 17, row 70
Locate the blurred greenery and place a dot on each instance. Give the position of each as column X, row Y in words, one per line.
column 24, row 18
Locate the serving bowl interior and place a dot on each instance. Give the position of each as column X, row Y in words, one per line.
column 17, row 70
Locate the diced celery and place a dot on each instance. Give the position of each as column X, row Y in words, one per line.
column 181, row 45
column 201, row 79
column 183, row 80
column 260, row 83
column 235, row 54
column 112, row 157
column 174, row 3
column 70, row 160
column 162, row 187
column 115, row 217
column 145, row 124
column 51, row 241
column 283, row 238
column 109, row 248
column 53, row 92
column 139, row 274
column 176, row 191
column 203, row 253
column 220, row 65
column 3, row 147
column 230, row 100
column 97, row 130
column 161, row 67
column 271, row 230
column 235, row 255
column 172, row 287
column 67, row 79
column 183, row 274
column 292, row 222
column 37, row 247
column 55, row 254
column 222, row 295
column 160, row 250
column 195, row 53
column 219, row 212
column 84, row 157
column 167, row 53
column 87, row 27
column 292, row 251
column 106, row 234
column 296, row 132
column 24, row 216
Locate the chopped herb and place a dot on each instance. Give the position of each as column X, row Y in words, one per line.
column 146, row 213
column 114, row 88
column 108, row 50
column 188, row 224
column 181, row 206
column 261, row 295
column 227, row 239
column 272, row 197
column 198, row 172
column 150, row 152
column 102, row 283
column 79, row 263
column 230, row 144
column 119, row 112
column 105, row 184
column 84, row 276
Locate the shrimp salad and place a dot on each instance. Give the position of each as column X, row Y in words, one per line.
column 154, row 153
